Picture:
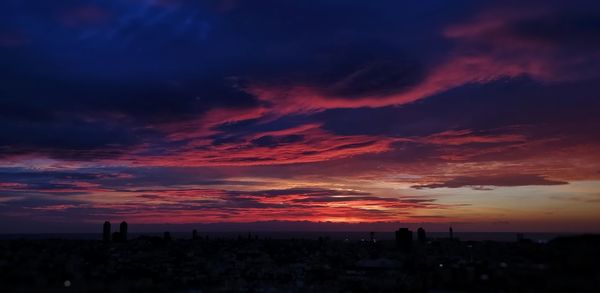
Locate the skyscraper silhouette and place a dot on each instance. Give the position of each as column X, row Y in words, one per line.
column 421, row 236
column 123, row 231
column 106, row 231
column 404, row 238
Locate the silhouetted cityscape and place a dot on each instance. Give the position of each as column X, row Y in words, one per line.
column 299, row 146
column 251, row 263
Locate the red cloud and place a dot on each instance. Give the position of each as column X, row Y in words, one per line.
column 302, row 144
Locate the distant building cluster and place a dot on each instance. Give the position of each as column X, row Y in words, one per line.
column 250, row 263
column 117, row 236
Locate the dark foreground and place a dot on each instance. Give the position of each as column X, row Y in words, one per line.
column 249, row 264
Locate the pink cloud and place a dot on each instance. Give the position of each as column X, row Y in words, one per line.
column 460, row 137
column 302, row 144
column 12, row 185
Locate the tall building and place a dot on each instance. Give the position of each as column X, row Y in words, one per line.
column 123, row 231
column 195, row 235
column 421, row 236
column 451, row 233
column 106, row 231
column 404, row 238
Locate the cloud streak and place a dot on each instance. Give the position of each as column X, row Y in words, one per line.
column 484, row 182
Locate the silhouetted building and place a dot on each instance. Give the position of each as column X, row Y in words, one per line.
column 116, row 237
column 404, row 238
column 106, row 231
column 195, row 235
column 373, row 240
column 521, row 238
column 167, row 236
column 123, row 231
column 421, row 236
column 451, row 233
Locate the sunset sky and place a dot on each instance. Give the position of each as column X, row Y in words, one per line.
column 481, row 115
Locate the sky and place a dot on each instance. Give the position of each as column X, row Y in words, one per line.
column 300, row 115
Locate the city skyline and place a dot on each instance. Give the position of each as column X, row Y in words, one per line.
column 303, row 116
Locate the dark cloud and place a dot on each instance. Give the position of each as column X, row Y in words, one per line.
column 236, row 131
column 565, row 108
column 325, row 199
column 304, row 192
column 376, row 73
column 565, row 28
column 273, row 141
column 483, row 182
column 73, row 139
column 11, row 174
column 36, row 202
column 130, row 66
column 346, row 198
column 167, row 177
column 150, row 100
column 354, row 70
column 540, row 42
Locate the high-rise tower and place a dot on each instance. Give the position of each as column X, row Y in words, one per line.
column 123, row 231
column 106, row 231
